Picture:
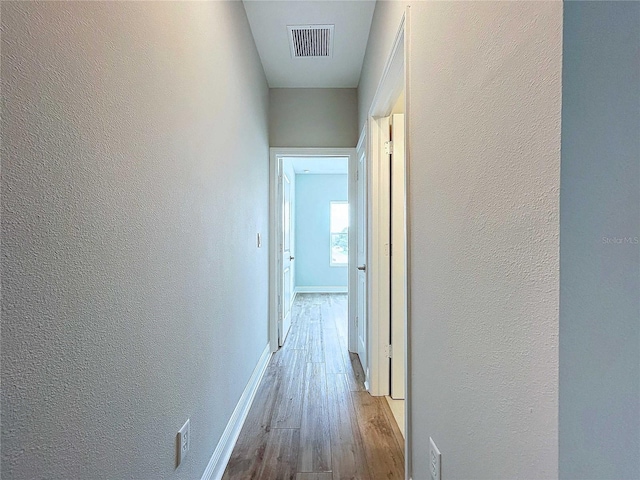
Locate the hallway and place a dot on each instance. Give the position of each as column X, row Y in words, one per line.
column 312, row 418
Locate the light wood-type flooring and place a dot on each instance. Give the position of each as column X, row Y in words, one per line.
column 312, row 418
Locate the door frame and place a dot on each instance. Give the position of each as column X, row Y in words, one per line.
column 391, row 84
column 398, row 264
column 276, row 154
column 394, row 79
column 379, row 221
column 353, row 246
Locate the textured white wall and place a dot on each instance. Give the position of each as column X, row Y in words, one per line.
column 484, row 141
column 313, row 117
column 134, row 180
column 600, row 242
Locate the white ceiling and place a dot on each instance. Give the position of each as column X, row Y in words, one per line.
column 319, row 165
column 352, row 19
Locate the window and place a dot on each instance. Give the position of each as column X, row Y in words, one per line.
column 339, row 222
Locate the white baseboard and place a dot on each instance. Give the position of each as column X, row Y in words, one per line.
column 322, row 289
column 220, row 458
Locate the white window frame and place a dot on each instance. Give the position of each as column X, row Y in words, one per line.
column 331, row 233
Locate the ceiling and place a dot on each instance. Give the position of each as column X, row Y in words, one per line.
column 319, row 165
column 352, row 19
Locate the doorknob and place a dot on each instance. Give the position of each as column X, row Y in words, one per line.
column 362, row 267
column 291, row 257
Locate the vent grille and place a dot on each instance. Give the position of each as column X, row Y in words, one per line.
column 311, row 40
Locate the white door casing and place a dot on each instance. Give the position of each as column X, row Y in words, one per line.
column 398, row 257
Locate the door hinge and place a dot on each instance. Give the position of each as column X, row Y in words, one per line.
column 388, row 351
column 388, row 147
column 357, row 175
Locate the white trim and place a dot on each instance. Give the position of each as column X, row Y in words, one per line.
column 220, row 458
column 398, row 258
column 275, row 253
column 311, row 152
column 392, row 81
column 322, row 289
column 408, row 405
column 379, row 258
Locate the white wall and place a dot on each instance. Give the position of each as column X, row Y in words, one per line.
column 484, row 99
column 313, row 117
column 134, row 181
column 599, row 242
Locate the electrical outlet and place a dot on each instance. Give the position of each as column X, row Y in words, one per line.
column 184, row 440
column 434, row 460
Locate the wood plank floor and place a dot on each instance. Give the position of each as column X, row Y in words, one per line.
column 312, row 418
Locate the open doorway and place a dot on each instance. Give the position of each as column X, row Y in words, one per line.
column 310, row 236
column 388, row 303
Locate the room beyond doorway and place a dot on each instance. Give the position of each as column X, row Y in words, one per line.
column 309, row 229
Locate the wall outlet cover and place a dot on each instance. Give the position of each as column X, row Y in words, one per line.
column 184, row 441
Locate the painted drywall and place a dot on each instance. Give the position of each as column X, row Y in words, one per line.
column 313, row 117
column 484, row 101
column 600, row 242
column 134, row 181
column 314, row 193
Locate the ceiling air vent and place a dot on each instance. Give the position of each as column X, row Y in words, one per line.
column 310, row 40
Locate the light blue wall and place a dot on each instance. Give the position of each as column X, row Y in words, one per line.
column 314, row 193
column 599, row 421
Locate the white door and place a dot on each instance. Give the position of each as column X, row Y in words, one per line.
column 287, row 258
column 398, row 257
column 361, row 214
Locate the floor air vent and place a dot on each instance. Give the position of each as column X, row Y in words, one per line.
column 311, row 40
